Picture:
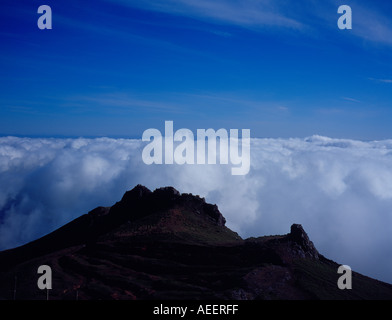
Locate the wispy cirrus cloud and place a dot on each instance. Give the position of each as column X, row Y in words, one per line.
column 123, row 101
column 369, row 22
column 381, row 80
column 351, row 99
column 245, row 13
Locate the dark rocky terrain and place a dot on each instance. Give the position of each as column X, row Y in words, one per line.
column 167, row 245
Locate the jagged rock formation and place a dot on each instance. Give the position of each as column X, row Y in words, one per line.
column 303, row 246
column 168, row 245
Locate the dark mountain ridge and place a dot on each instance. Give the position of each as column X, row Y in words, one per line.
column 136, row 204
column 167, row 245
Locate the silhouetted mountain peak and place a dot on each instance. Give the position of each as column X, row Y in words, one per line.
column 141, row 202
column 136, row 193
column 165, row 212
column 162, row 244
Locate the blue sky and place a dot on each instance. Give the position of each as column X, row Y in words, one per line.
column 116, row 68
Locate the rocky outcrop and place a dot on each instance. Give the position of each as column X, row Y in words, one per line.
column 301, row 242
column 140, row 201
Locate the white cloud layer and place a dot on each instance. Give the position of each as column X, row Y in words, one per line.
column 339, row 190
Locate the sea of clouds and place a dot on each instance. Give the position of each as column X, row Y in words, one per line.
column 339, row 190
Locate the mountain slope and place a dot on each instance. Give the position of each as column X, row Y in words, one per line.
column 167, row 245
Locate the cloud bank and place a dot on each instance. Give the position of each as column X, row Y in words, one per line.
column 339, row 190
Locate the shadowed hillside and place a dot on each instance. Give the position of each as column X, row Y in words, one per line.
column 167, row 245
